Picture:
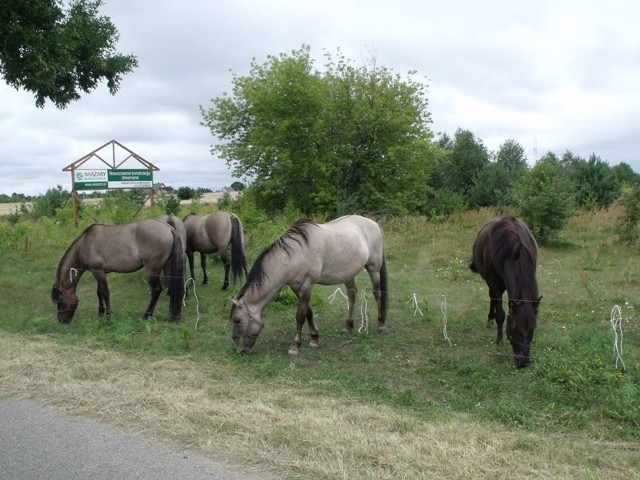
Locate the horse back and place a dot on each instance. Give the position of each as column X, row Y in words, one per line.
column 501, row 241
column 208, row 233
column 126, row 248
column 348, row 244
column 176, row 223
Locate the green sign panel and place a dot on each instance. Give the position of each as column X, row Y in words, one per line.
column 105, row 179
column 130, row 178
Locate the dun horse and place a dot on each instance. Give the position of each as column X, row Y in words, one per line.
column 102, row 249
column 505, row 254
column 306, row 254
column 214, row 233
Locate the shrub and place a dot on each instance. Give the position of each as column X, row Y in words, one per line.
column 544, row 199
column 630, row 218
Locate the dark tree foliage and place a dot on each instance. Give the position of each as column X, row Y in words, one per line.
column 58, row 54
column 465, row 158
column 625, row 174
column 595, row 183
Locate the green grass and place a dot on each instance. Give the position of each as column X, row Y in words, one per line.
column 572, row 387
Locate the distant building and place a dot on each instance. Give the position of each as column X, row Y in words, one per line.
column 161, row 187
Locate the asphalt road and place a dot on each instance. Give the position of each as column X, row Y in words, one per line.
column 37, row 443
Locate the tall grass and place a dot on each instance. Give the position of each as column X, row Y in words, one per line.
column 436, row 371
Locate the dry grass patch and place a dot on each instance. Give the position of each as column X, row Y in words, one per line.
column 285, row 430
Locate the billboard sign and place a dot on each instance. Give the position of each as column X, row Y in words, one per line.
column 106, row 179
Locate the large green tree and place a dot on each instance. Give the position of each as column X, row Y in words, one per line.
column 332, row 141
column 509, row 167
column 57, row 54
column 465, row 157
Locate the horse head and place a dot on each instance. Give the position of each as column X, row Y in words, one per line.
column 67, row 302
column 521, row 324
column 247, row 324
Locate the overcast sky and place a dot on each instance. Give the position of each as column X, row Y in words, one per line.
column 552, row 75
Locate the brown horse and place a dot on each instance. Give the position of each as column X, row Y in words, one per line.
column 505, row 255
column 102, row 249
column 215, row 233
column 309, row 253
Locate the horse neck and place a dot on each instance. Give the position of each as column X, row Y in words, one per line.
column 70, row 268
column 273, row 279
column 520, row 281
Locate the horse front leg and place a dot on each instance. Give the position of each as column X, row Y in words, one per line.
column 203, row 264
column 104, row 303
column 352, row 290
column 155, row 287
column 302, row 313
column 496, row 312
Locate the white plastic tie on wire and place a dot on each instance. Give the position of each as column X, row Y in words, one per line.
column 443, row 309
column 332, row 297
column 616, row 324
column 364, row 319
column 415, row 305
column 195, row 296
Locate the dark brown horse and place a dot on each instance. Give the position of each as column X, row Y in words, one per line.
column 309, row 253
column 505, row 255
column 102, row 249
column 215, row 233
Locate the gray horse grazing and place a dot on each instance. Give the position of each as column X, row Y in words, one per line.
column 306, row 254
column 215, row 233
column 101, row 249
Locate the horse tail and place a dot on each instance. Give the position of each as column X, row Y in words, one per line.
column 176, row 276
column 238, row 260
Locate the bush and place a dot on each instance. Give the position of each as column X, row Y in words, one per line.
column 630, row 218
column 47, row 205
column 544, row 198
column 170, row 204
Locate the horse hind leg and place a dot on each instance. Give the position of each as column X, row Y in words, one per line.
column 227, row 267
column 352, row 290
column 303, row 313
column 380, row 296
column 155, row 286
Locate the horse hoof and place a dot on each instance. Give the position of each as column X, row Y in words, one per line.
column 382, row 328
column 313, row 344
column 294, row 352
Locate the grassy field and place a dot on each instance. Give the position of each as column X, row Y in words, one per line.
column 433, row 397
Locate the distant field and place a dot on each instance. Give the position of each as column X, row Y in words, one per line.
column 207, row 199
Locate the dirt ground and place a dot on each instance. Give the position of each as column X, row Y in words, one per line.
column 207, row 199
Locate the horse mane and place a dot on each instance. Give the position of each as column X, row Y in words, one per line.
column 68, row 251
column 508, row 245
column 297, row 233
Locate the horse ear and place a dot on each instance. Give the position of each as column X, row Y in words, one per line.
column 235, row 301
